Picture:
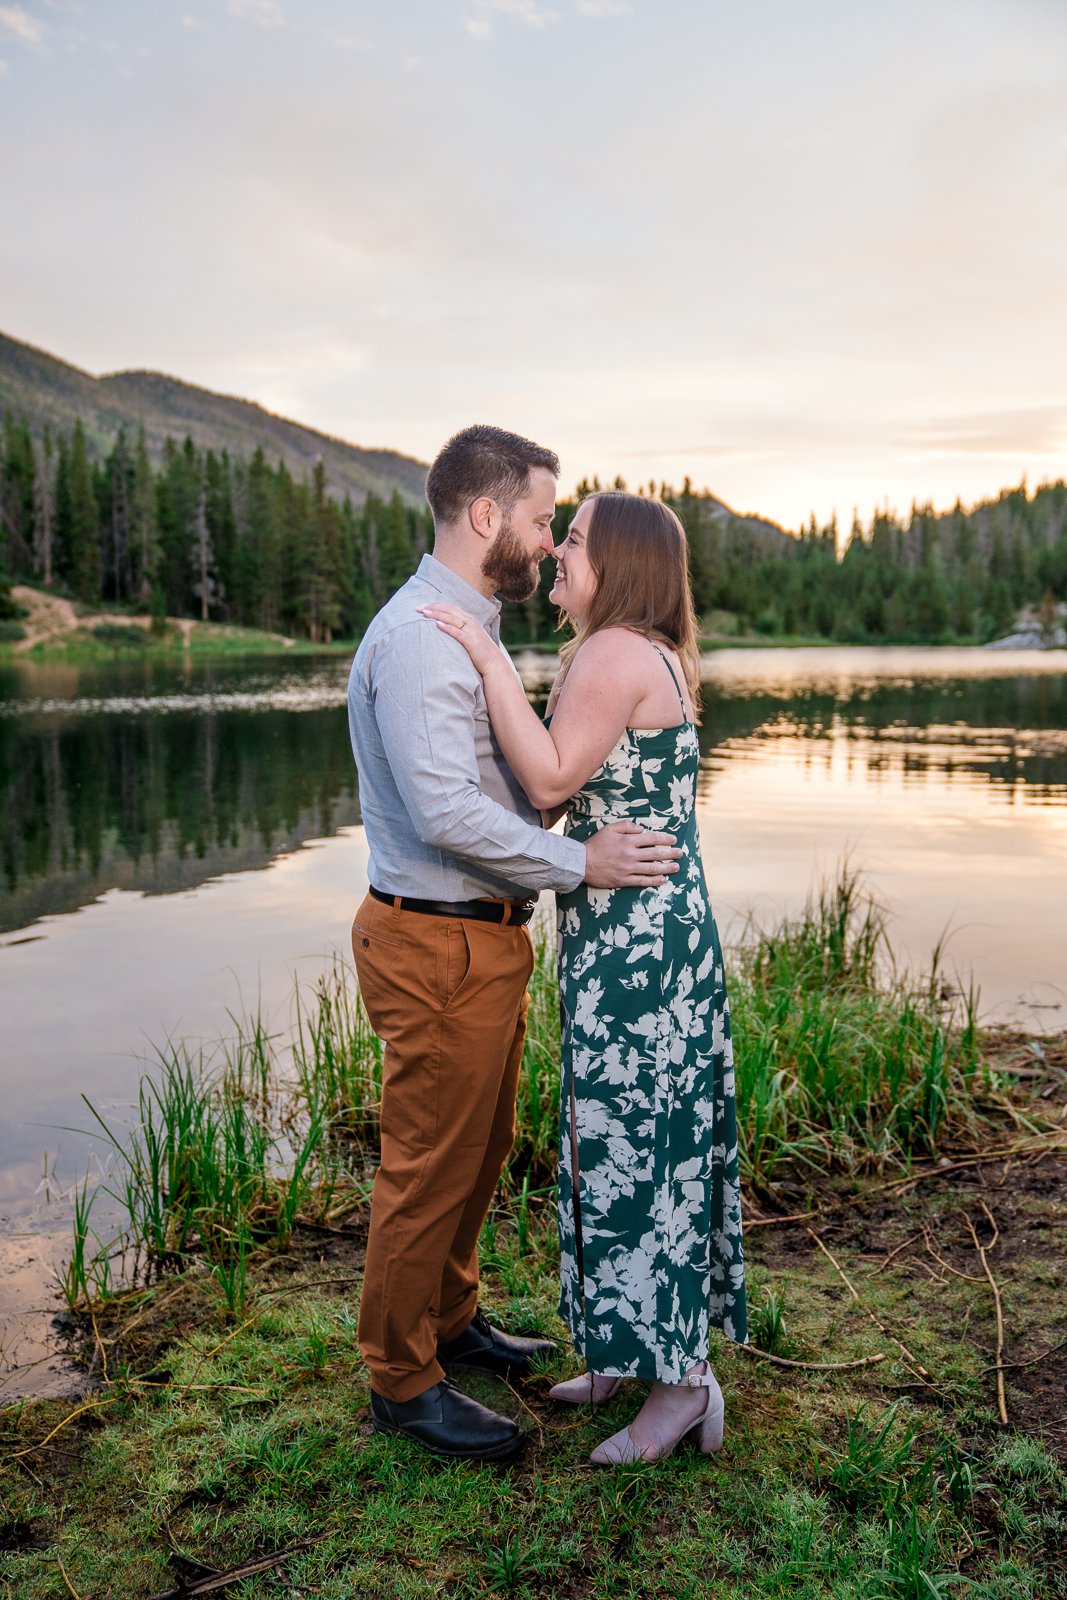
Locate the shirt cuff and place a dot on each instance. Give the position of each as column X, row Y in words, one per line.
column 569, row 857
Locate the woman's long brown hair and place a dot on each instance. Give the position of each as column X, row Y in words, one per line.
column 639, row 556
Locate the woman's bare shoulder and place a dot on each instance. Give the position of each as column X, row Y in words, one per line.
column 612, row 646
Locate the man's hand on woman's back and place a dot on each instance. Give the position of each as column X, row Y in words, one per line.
column 626, row 856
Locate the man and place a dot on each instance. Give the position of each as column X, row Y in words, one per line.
column 441, row 945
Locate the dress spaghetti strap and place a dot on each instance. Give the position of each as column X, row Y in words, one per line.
column 674, row 676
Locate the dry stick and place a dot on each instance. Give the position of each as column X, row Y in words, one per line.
column 971, row 1277
column 70, row 1587
column 92, row 1405
column 153, row 1305
column 312, row 1283
column 191, row 1561
column 895, row 1252
column 247, row 1569
column 937, row 1172
column 1048, row 1148
column 28, row 1469
column 773, row 1222
column 1012, row 1366
column 206, row 1388
column 99, row 1346
column 530, row 1412
column 812, row 1366
column 1002, row 1404
column 913, row 1361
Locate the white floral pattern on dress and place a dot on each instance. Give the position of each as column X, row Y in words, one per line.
column 652, row 1256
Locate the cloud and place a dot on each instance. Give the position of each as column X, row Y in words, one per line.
column 605, row 8
column 4, row 68
column 17, row 22
column 264, row 13
column 1040, row 430
column 531, row 13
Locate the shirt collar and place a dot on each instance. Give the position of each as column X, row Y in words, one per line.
column 458, row 590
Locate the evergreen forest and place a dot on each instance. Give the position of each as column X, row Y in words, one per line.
column 199, row 533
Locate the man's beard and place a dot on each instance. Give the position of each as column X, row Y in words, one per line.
column 509, row 566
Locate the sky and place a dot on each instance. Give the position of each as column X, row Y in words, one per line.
column 812, row 255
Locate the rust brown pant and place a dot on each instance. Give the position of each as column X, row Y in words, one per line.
column 448, row 997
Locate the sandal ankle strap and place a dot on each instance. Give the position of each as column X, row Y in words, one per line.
column 698, row 1380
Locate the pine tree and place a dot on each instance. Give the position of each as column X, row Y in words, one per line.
column 145, row 551
column 17, row 496
column 177, row 501
column 321, row 561
column 84, row 531
column 44, row 509
column 221, row 522
column 118, row 483
column 64, row 512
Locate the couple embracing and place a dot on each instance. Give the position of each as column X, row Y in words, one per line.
column 460, row 783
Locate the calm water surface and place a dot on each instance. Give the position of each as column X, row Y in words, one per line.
column 182, row 840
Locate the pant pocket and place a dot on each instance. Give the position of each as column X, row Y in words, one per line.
column 454, row 961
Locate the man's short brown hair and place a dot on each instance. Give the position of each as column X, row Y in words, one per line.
column 482, row 460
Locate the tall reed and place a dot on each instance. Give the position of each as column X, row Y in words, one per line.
column 207, row 1168
column 842, row 1061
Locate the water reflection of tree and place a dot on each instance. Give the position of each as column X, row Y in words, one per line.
column 162, row 801
column 1012, row 731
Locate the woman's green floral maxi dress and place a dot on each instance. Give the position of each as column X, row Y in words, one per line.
column 649, row 1202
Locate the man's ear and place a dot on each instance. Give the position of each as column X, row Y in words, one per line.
column 484, row 514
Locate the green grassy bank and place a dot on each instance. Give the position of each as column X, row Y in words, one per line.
column 120, row 641
column 893, row 1430
column 78, row 635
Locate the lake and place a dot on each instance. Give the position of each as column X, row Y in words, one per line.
column 181, row 840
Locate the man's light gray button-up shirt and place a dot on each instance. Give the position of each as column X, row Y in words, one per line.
column 446, row 818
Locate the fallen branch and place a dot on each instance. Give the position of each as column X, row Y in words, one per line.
column 1002, row 1404
column 1037, row 1147
column 811, row 1366
column 773, row 1222
column 1013, row 1366
column 940, row 1171
column 913, row 1361
column 246, row 1569
column 893, row 1253
column 956, row 1273
column 92, row 1405
column 70, row 1587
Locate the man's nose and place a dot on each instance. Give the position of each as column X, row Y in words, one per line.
column 546, row 542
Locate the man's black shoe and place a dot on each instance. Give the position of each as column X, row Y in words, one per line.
column 483, row 1348
column 448, row 1423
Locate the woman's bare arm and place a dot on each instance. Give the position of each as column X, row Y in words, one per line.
column 605, row 682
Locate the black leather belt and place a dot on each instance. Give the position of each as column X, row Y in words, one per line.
column 478, row 910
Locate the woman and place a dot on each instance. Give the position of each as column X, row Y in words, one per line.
column 650, row 1221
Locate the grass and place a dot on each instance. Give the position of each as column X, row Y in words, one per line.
column 230, row 1415
column 844, row 1061
column 245, row 1439
column 842, row 1065
column 108, row 642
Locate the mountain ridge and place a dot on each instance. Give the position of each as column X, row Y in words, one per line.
column 50, row 391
